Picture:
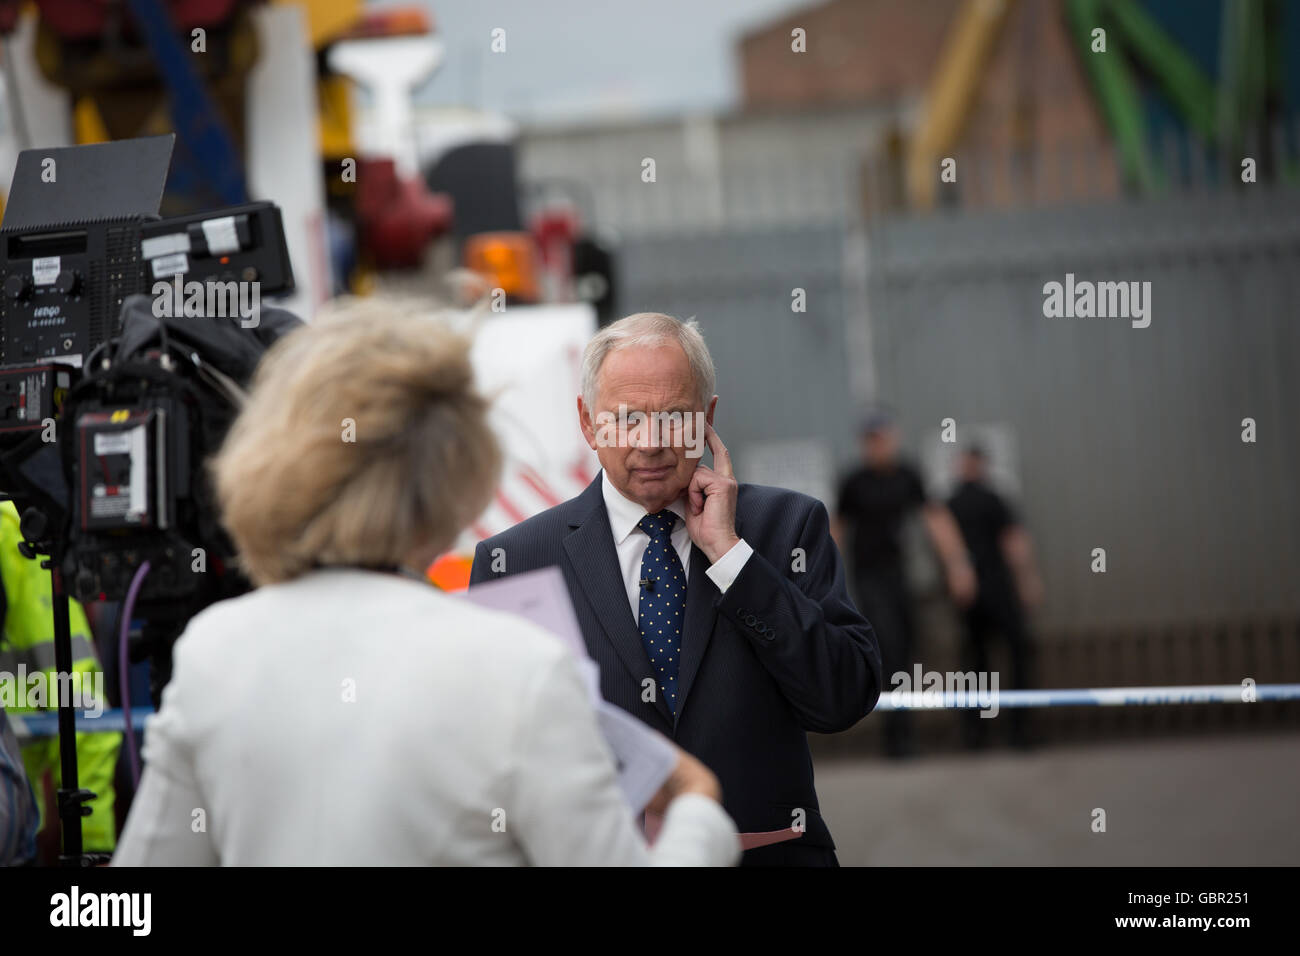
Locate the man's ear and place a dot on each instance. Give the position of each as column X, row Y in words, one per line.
column 586, row 424
column 708, row 413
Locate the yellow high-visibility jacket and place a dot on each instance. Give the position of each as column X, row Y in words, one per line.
column 27, row 647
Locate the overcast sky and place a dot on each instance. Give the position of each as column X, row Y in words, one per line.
column 576, row 59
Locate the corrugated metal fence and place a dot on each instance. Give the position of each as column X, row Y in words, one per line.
column 1129, row 439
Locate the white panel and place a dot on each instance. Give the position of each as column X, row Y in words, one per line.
column 283, row 159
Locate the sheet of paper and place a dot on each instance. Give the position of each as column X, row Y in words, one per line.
column 643, row 757
column 539, row 596
column 591, row 680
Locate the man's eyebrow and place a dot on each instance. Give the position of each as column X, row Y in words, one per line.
column 630, row 407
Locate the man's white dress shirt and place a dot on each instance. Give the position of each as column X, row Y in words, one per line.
column 630, row 544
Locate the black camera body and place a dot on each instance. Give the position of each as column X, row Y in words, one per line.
column 113, row 395
column 242, row 243
column 62, row 285
column 133, row 488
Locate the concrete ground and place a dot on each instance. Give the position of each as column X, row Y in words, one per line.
column 1215, row 801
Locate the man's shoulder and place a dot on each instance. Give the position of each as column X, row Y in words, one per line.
column 760, row 500
column 543, row 525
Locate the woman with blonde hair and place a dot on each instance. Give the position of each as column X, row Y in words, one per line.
column 346, row 711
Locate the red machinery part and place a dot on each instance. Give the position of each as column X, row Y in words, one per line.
column 555, row 229
column 86, row 19
column 397, row 218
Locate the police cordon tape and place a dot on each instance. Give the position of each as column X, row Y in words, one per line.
column 46, row 723
column 1090, row 697
column 113, row 721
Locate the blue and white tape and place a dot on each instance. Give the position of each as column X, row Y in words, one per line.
column 111, row 721
column 46, row 723
column 975, row 699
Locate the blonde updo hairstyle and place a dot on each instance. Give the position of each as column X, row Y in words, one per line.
column 362, row 442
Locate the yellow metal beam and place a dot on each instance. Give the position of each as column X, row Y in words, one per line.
column 966, row 52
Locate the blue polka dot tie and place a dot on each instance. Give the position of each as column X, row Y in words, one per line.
column 662, row 608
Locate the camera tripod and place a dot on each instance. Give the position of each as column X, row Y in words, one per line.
column 73, row 800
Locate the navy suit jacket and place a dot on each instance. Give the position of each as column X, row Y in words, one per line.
column 782, row 652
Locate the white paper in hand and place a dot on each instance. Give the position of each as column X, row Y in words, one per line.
column 644, row 758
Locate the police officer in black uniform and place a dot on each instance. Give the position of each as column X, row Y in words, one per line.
column 874, row 501
column 1007, row 581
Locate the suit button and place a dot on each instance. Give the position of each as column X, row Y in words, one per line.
column 750, row 620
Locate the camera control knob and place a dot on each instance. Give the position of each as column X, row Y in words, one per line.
column 68, row 282
column 18, row 287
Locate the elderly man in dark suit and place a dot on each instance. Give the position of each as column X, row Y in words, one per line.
column 717, row 611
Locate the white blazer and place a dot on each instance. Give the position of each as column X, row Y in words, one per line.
column 354, row 717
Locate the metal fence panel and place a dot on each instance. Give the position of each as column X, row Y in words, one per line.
column 1129, row 438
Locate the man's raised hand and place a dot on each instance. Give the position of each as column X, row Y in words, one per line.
column 711, row 502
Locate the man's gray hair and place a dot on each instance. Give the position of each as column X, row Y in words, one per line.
column 649, row 328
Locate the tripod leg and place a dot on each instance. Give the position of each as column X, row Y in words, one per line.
column 72, row 799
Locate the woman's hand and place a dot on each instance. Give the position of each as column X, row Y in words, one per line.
column 689, row 776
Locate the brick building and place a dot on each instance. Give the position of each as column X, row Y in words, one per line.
column 1032, row 130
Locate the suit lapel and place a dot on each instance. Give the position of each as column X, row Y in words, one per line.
column 701, row 615
column 590, row 548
